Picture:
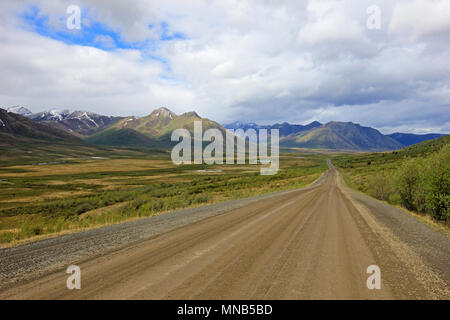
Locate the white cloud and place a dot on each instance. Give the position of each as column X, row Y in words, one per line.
column 328, row 21
column 421, row 18
column 249, row 60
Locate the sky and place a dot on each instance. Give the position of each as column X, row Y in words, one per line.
column 262, row 61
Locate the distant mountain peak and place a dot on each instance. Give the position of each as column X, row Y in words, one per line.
column 164, row 108
column 162, row 112
column 342, row 123
column 237, row 124
column 285, row 128
column 78, row 122
column 191, row 114
column 19, row 110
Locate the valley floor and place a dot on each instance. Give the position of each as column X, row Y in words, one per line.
column 62, row 196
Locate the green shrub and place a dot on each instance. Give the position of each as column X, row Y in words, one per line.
column 203, row 198
column 436, row 182
column 407, row 179
column 380, row 186
column 417, row 177
column 157, row 205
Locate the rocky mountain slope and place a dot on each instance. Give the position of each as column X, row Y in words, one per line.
column 19, row 110
column 15, row 128
column 79, row 123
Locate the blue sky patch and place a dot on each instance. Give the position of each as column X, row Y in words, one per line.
column 88, row 35
column 95, row 34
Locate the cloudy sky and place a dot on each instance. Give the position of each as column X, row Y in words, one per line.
column 259, row 61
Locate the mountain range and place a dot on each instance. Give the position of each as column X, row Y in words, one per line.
column 408, row 139
column 79, row 123
column 341, row 136
column 23, row 140
column 338, row 136
column 155, row 130
column 285, row 128
column 16, row 129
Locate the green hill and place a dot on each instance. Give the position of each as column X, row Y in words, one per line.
column 394, row 158
column 121, row 137
column 341, row 136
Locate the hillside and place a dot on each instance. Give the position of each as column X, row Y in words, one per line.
column 416, row 177
column 15, row 129
column 79, row 123
column 423, row 149
column 341, row 136
column 393, row 158
column 23, row 140
column 153, row 130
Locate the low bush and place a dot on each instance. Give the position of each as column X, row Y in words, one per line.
column 380, row 186
column 418, row 184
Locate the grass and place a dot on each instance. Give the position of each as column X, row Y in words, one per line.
column 41, row 200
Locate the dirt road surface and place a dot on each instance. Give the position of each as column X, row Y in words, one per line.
column 312, row 243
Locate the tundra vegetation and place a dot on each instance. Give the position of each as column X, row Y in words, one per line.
column 417, row 177
column 44, row 199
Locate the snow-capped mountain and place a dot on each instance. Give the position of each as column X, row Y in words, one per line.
column 18, row 130
column 19, row 110
column 80, row 123
column 285, row 128
column 51, row 115
column 242, row 125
